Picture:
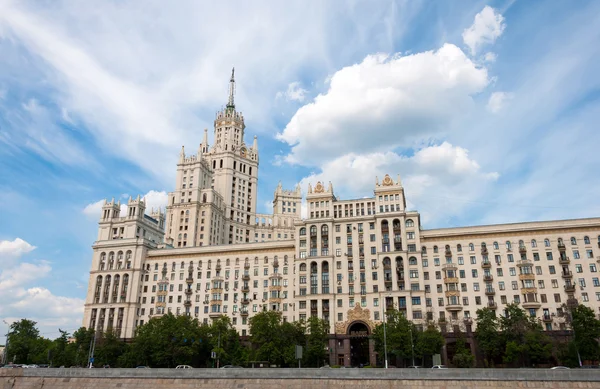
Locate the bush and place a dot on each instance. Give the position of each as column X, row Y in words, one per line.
column 463, row 360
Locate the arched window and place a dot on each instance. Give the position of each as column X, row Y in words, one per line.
column 324, row 229
column 586, row 240
column 496, row 246
column 573, row 241
column 179, row 236
column 256, row 260
column 185, row 236
column 237, row 261
column 199, row 264
column 521, row 243
column 303, row 267
column 560, row 242
column 103, row 256
column 508, row 245
column 204, row 198
column 302, row 231
column 547, row 242
column 313, row 230
column 423, row 250
column 459, row 248
column 533, row 243
column 156, row 266
column 120, row 256
column 471, row 247
column 182, row 212
column 266, row 262
column 313, row 268
column 387, row 262
column 412, row 261
column 409, row 223
column 187, row 212
column 435, row 249
column 182, row 266
column 227, row 262
column 483, row 245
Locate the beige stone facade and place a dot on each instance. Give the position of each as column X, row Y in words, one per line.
column 348, row 261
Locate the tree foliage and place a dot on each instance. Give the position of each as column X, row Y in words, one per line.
column 586, row 332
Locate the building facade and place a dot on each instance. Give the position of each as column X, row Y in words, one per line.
column 212, row 254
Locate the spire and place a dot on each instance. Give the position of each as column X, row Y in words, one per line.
column 205, row 138
column 255, row 144
column 230, row 102
column 182, row 155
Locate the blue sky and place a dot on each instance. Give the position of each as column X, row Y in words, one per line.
column 488, row 110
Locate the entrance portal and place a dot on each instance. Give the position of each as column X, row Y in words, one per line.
column 359, row 344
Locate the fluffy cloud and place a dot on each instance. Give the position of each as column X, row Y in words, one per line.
column 20, row 280
column 486, row 28
column 154, row 200
column 432, row 172
column 490, row 57
column 498, row 100
column 14, row 248
column 384, row 102
column 294, row 92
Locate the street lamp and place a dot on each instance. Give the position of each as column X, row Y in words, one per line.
column 5, row 357
column 384, row 313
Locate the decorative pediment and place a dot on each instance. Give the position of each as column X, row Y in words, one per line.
column 387, row 180
column 319, row 188
column 355, row 314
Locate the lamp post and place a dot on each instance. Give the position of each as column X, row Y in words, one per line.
column 384, row 313
column 5, row 357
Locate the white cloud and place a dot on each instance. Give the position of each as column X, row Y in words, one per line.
column 14, row 248
column 12, row 278
column 490, row 57
column 154, row 200
column 384, row 102
column 486, row 28
column 432, row 172
column 294, row 92
column 498, row 100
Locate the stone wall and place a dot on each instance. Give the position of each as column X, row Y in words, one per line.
column 296, row 378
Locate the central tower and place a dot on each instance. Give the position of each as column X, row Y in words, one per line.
column 235, row 170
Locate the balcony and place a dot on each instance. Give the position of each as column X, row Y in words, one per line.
column 561, row 247
column 522, row 249
column 246, row 277
column 187, row 303
column 188, row 291
column 215, row 315
column 564, row 260
column 189, row 280
column 490, row 291
column 572, row 302
column 531, row 304
column 492, row 305
column 566, row 274
column 525, row 262
column 486, row 264
column 449, row 266
column 484, row 251
column 488, row 277
column 570, row 288
column 245, row 289
column 245, row 301
column 451, row 280
column 448, row 253
column 526, row 276
column 454, row 307
column 547, row 318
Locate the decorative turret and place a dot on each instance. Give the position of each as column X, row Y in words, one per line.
column 255, row 144
column 205, row 141
column 230, row 102
column 111, row 210
column 136, row 208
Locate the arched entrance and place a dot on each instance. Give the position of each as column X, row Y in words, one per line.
column 359, row 343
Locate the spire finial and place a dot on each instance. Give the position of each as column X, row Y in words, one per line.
column 230, row 103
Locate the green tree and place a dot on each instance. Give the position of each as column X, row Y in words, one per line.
column 586, row 332
column 400, row 336
column 80, row 348
column 317, row 331
column 487, row 337
column 61, row 353
column 463, row 357
column 429, row 342
column 525, row 341
column 108, row 349
column 273, row 340
column 225, row 341
column 23, row 345
column 167, row 341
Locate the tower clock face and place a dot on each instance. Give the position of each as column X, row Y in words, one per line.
column 243, row 152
